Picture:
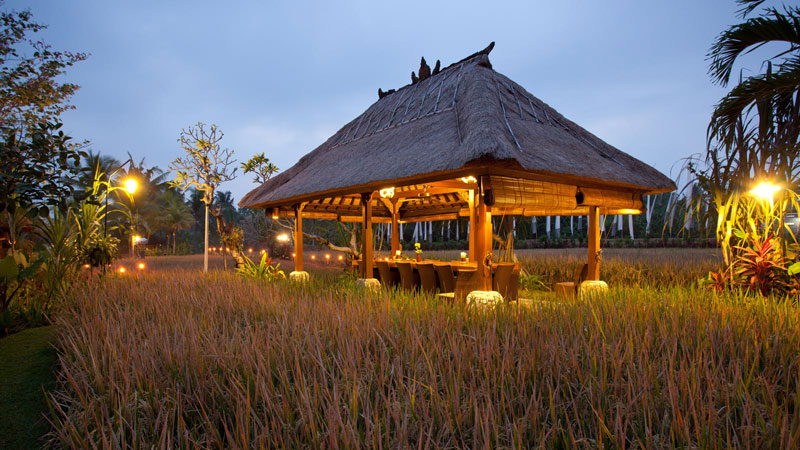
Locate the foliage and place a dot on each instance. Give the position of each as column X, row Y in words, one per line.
column 761, row 266
column 15, row 271
column 62, row 255
column 30, row 90
column 100, row 250
column 771, row 92
column 37, row 169
column 533, row 282
column 261, row 168
column 205, row 163
column 263, row 270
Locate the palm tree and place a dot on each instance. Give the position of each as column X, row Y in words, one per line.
column 772, row 93
column 178, row 214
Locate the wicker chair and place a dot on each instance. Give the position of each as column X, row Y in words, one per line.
column 447, row 281
column 466, row 282
column 427, row 277
column 409, row 280
column 389, row 278
column 501, row 280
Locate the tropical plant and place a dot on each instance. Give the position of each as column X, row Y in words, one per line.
column 178, row 214
column 761, row 267
column 769, row 92
column 15, row 271
column 263, row 270
column 31, row 91
column 204, row 167
column 62, row 256
column 261, row 168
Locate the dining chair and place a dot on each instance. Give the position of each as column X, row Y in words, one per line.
column 427, row 277
column 501, row 279
column 513, row 287
column 466, row 282
column 388, row 278
column 409, row 280
column 447, row 281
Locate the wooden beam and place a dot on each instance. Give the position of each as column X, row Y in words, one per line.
column 395, row 227
column 473, row 218
column 298, row 238
column 367, row 238
column 483, row 241
column 429, row 218
column 422, row 193
column 594, row 244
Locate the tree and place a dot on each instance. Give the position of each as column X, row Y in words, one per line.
column 260, row 166
column 772, row 93
column 204, row 167
column 753, row 136
column 30, row 92
column 178, row 214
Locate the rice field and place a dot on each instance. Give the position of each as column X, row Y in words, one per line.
column 175, row 358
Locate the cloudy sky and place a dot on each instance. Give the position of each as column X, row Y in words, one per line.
column 281, row 77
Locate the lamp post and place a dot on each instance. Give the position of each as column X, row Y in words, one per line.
column 130, row 185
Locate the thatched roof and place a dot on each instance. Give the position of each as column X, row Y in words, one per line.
column 466, row 119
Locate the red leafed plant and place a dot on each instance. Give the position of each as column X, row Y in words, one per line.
column 761, row 267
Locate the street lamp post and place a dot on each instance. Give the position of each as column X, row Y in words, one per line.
column 130, row 185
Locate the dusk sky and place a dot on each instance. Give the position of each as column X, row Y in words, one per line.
column 281, row 77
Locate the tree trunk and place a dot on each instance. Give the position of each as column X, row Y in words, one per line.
column 205, row 244
column 173, row 242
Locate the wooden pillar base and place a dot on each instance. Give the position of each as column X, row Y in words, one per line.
column 300, row 276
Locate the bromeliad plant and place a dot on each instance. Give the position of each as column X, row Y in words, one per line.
column 760, row 267
column 263, row 270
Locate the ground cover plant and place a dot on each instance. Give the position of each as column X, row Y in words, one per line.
column 182, row 359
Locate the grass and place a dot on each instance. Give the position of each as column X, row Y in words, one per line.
column 179, row 359
column 27, row 363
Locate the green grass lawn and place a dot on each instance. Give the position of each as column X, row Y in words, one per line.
column 27, row 363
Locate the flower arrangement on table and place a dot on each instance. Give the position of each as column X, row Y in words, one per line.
column 418, row 250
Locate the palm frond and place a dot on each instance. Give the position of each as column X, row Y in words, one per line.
column 774, row 26
column 746, row 95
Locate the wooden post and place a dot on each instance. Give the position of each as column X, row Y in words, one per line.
column 473, row 219
column 594, row 244
column 298, row 238
column 367, row 239
column 483, row 241
column 395, row 227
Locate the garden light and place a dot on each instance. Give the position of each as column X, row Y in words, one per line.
column 121, row 270
column 86, row 266
column 131, row 185
column 327, row 256
column 249, row 250
column 283, row 237
column 313, row 257
column 341, row 257
column 141, row 266
column 294, row 254
column 765, row 190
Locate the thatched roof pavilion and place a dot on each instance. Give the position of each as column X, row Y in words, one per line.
column 461, row 141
